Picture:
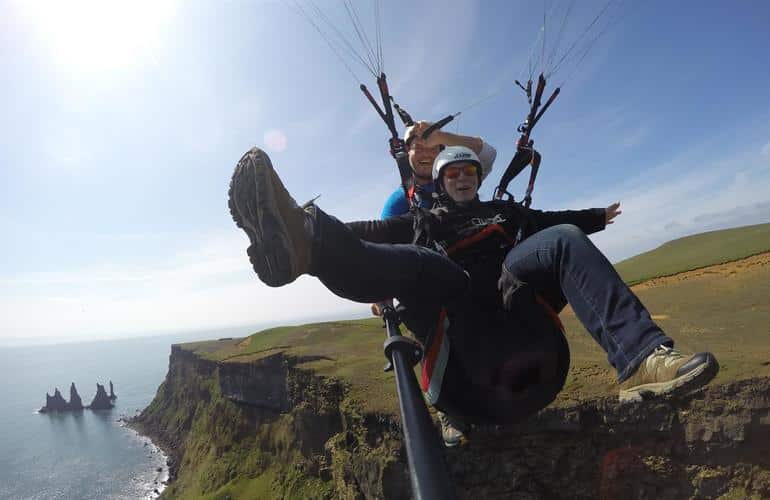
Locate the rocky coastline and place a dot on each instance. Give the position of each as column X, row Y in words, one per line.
column 154, row 442
column 169, row 450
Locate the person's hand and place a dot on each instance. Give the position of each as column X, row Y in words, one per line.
column 611, row 212
column 415, row 132
column 378, row 306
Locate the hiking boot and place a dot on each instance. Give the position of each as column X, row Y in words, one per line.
column 452, row 429
column 667, row 371
column 280, row 231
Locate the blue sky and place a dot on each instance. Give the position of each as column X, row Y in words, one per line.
column 122, row 123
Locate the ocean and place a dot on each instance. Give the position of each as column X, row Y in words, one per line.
column 88, row 454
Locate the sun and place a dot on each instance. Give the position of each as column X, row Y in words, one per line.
column 86, row 36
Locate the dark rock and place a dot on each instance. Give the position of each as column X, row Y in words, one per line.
column 159, row 469
column 54, row 403
column 113, row 397
column 75, row 402
column 101, row 400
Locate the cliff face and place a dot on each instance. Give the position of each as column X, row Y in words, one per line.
column 267, row 429
column 261, row 430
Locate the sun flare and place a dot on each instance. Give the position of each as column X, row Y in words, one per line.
column 97, row 36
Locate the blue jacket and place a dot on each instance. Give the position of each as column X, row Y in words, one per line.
column 396, row 204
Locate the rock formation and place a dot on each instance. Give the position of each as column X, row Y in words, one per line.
column 57, row 402
column 101, row 400
column 54, row 403
column 75, row 402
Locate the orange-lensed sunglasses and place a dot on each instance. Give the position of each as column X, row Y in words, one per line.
column 453, row 171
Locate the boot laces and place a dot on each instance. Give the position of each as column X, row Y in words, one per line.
column 667, row 355
column 448, row 422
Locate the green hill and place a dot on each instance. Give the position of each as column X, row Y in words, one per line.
column 699, row 313
column 696, row 251
column 290, row 455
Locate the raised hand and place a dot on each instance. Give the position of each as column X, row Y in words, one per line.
column 611, row 212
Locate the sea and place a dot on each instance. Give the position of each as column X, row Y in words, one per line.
column 88, row 454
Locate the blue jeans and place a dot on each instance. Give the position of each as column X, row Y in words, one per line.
column 559, row 263
column 562, row 265
column 421, row 279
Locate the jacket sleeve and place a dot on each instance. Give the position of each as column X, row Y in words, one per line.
column 397, row 229
column 396, row 204
column 590, row 220
column 487, row 158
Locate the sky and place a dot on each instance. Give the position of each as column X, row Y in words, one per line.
column 122, row 122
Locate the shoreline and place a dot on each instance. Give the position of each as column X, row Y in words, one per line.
column 167, row 475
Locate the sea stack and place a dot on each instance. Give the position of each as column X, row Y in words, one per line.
column 75, row 402
column 113, row 397
column 101, row 400
column 54, row 403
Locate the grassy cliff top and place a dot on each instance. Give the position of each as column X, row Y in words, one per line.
column 696, row 251
column 347, row 350
column 721, row 308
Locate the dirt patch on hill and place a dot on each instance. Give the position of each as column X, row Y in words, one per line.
column 722, row 309
column 727, row 269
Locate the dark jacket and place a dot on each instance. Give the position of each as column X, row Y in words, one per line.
column 476, row 236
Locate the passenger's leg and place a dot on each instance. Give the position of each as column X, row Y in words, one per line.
column 287, row 241
column 563, row 265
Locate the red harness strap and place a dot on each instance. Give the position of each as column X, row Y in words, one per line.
column 481, row 235
column 431, row 360
column 553, row 314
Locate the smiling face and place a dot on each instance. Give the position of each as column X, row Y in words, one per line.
column 421, row 159
column 461, row 181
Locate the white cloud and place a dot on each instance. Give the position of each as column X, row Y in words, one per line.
column 765, row 151
column 210, row 287
column 684, row 196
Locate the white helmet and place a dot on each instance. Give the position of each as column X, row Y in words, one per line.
column 455, row 154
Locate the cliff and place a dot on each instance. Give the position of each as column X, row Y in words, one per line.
column 306, row 412
column 267, row 428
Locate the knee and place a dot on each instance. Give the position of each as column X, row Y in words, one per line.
column 569, row 234
column 569, row 230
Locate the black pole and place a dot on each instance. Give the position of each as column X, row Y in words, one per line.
column 428, row 471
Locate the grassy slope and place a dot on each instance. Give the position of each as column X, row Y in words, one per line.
column 724, row 313
column 348, row 350
column 693, row 252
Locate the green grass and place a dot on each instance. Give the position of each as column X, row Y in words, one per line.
column 724, row 310
column 723, row 313
column 347, row 350
column 693, row 252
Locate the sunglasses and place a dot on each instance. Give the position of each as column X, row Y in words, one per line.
column 453, row 172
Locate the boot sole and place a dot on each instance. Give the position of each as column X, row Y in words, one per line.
column 689, row 382
column 251, row 200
